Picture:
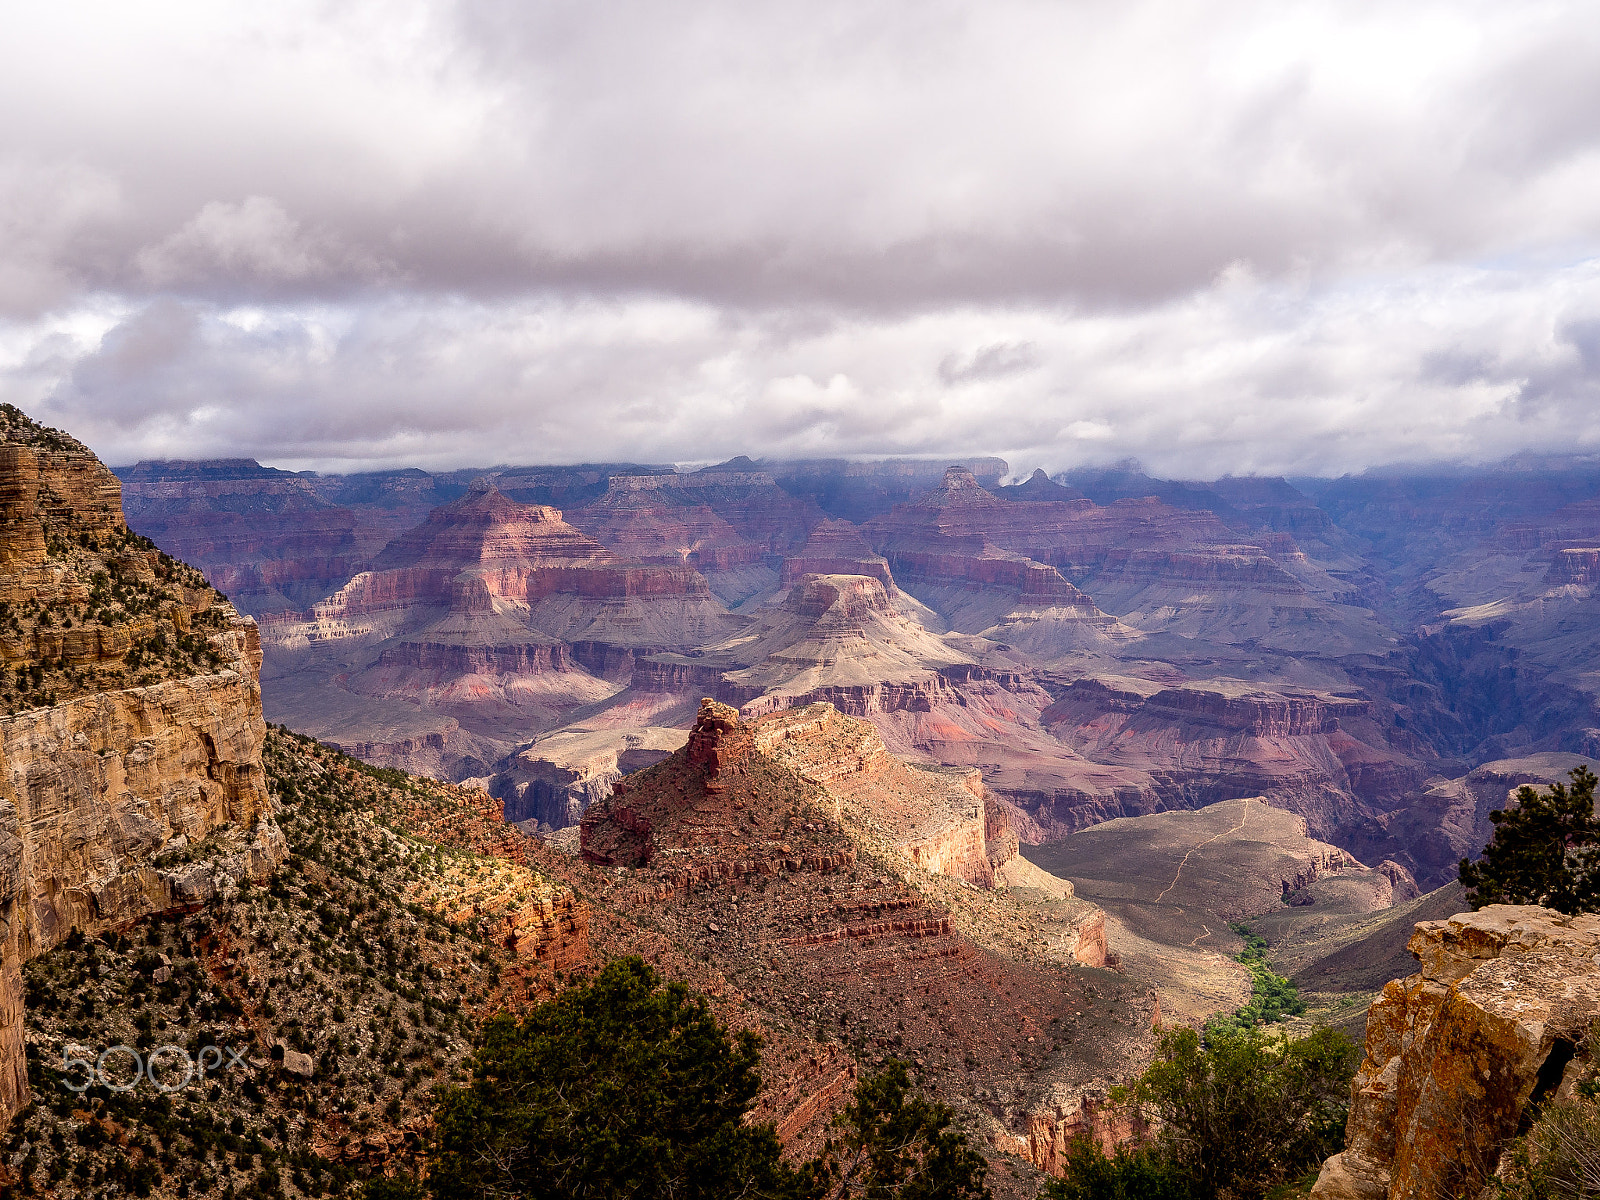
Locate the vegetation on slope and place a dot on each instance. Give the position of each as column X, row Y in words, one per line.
column 625, row 1087
column 1546, row 850
column 347, row 957
column 1240, row 1113
column 1273, row 998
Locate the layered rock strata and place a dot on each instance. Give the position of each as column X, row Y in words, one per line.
column 496, row 615
column 264, row 536
column 732, row 522
column 768, row 846
column 116, row 802
column 1458, row 1054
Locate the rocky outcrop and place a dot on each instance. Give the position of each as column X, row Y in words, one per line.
column 837, row 548
column 1577, row 564
column 942, row 820
column 1458, row 1053
column 115, row 802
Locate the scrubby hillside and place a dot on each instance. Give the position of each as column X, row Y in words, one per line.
column 349, row 986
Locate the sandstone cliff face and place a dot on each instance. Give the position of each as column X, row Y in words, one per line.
column 115, row 801
column 1457, row 1053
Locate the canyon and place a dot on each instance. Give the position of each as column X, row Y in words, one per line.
column 873, row 739
column 1098, row 645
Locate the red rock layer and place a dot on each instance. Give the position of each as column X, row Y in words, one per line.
column 837, row 548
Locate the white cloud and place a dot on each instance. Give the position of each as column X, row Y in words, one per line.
column 1224, row 237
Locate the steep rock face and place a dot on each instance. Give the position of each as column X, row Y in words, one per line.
column 1448, row 819
column 966, row 554
column 1203, row 742
column 837, row 548
column 1456, row 1054
column 1579, row 565
column 552, row 783
column 115, row 801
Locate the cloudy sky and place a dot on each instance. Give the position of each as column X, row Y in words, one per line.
column 1279, row 237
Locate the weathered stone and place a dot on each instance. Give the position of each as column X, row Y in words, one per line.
column 95, row 790
column 296, row 1063
column 1457, row 1053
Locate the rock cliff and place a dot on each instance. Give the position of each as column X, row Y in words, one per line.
column 131, row 779
column 1458, row 1054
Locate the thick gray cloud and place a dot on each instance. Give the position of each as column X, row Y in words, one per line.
column 1218, row 237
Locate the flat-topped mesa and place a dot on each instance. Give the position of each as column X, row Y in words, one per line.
column 133, row 729
column 1459, row 1055
column 512, row 551
column 840, row 598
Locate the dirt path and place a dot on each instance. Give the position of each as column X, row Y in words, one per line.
column 1207, row 842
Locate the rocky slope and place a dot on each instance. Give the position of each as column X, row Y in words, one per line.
column 787, row 850
column 130, row 759
column 346, row 985
column 1457, row 1055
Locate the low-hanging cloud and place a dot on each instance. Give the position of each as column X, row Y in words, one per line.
column 1230, row 237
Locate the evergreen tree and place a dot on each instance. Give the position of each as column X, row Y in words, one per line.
column 625, row 1087
column 618, row 1088
column 895, row 1145
column 1546, row 850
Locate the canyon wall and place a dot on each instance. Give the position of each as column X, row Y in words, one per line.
column 131, row 779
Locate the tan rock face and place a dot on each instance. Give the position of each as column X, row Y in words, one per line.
column 1457, row 1053
column 116, row 802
